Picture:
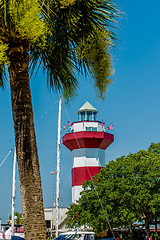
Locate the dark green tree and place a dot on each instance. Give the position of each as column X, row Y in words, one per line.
column 125, row 191
column 18, row 219
column 63, row 37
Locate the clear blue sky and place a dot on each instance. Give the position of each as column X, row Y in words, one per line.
column 132, row 105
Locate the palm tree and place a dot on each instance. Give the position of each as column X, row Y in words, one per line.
column 62, row 36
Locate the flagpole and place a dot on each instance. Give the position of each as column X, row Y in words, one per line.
column 13, row 192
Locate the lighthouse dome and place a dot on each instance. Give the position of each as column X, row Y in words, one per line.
column 87, row 112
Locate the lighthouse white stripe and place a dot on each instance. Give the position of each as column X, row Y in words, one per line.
column 88, row 157
column 83, row 161
column 76, row 193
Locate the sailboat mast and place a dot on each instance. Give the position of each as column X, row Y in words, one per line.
column 13, row 192
column 58, row 167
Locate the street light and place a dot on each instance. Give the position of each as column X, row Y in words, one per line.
column 53, row 173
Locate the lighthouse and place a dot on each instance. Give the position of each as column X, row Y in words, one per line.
column 87, row 141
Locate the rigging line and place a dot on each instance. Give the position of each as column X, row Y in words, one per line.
column 99, row 197
column 35, row 124
column 6, row 156
column 68, row 117
column 46, row 112
column 77, row 141
column 5, row 180
column 103, row 208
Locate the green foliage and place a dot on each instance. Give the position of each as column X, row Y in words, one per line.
column 3, row 60
column 22, row 18
column 125, row 191
column 94, row 50
column 3, row 55
column 63, row 36
column 18, row 219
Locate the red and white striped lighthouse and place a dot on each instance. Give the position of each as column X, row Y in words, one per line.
column 87, row 141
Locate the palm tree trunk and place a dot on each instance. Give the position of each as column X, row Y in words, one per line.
column 26, row 146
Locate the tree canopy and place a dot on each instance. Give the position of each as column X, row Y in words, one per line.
column 61, row 36
column 124, row 192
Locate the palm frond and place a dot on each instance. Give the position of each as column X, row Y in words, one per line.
column 57, row 63
column 81, row 36
column 64, row 36
column 95, row 52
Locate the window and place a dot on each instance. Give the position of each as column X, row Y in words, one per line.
column 48, row 223
column 82, row 116
column 89, row 116
column 94, row 129
column 94, row 116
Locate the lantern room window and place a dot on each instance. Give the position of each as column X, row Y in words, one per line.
column 87, row 116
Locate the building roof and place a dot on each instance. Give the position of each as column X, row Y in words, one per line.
column 87, row 107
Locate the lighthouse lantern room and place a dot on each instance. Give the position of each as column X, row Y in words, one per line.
column 87, row 141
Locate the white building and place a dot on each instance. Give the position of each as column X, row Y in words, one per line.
column 50, row 218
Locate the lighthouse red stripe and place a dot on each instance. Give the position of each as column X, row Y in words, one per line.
column 81, row 174
column 87, row 140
